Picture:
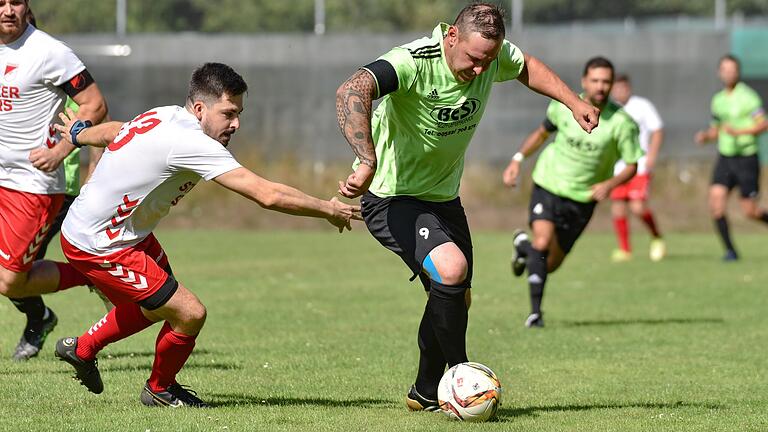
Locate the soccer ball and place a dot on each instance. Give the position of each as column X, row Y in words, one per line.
column 469, row 392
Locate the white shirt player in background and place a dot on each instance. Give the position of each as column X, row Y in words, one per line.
column 634, row 193
column 150, row 164
column 37, row 73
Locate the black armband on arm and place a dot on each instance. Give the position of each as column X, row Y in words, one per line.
column 549, row 126
column 385, row 76
column 77, row 83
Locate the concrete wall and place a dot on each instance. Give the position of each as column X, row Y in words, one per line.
column 293, row 78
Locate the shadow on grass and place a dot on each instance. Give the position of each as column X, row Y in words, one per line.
column 106, row 356
column 640, row 321
column 506, row 414
column 241, row 399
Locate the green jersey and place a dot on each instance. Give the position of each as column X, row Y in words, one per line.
column 577, row 160
column 422, row 129
column 72, row 163
column 741, row 109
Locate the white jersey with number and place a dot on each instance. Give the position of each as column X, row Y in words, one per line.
column 31, row 70
column 648, row 121
column 154, row 161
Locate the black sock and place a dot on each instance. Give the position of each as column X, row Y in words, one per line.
column 764, row 217
column 524, row 247
column 447, row 311
column 32, row 307
column 722, row 227
column 431, row 360
column 537, row 277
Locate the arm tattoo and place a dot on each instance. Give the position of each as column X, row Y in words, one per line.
column 353, row 111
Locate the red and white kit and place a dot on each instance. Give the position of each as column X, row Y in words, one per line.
column 648, row 121
column 31, row 70
column 154, row 161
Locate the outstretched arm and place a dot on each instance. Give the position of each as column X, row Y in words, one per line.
column 354, row 102
column 100, row 135
column 285, row 199
column 538, row 77
column 531, row 144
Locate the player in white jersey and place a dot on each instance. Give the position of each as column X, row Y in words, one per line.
column 37, row 73
column 150, row 164
column 633, row 195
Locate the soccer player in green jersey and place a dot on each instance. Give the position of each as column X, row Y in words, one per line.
column 737, row 120
column 410, row 157
column 571, row 175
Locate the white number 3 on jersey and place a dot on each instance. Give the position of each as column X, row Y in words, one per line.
column 424, row 233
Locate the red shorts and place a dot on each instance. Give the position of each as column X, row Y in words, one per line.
column 131, row 275
column 636, row 189
column 25, row 219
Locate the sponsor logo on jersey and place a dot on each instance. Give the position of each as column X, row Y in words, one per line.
column 10, row 72
column 433, row 95
column 7, row 95
column 450, row 114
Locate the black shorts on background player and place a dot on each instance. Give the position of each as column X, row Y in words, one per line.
column 411, row 228
column 741, row 171
column 570, row 217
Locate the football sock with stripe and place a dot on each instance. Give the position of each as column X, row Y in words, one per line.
column 119, row 323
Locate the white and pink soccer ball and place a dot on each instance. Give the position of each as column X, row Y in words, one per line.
column 469, row 392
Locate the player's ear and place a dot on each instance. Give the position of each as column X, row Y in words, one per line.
column 198, row 108
column 453, row 36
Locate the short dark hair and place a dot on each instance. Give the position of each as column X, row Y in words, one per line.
column 212, row 80
column 484, row 18
column 732, row 58
column 622, row 77
column 597, row 62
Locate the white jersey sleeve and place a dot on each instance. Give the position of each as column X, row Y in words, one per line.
column 648, row 120
column 61, row 65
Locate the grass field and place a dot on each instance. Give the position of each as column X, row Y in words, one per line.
column 316, row 331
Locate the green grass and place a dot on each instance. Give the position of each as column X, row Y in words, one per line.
column 315, row 331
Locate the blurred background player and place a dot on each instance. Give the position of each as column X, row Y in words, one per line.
column 738, row 118
column 38, row 74
column 107, row 234
column 634, row 193
column 572, row 174
column 410, row 158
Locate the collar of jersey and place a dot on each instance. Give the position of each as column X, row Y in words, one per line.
column 20, row 41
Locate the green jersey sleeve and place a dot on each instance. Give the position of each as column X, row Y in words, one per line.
column 404, row 65
column 510, row 62
column 628, row 142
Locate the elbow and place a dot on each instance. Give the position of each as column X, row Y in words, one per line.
column 269, row 200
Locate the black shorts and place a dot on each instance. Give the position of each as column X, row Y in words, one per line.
column 743, row 171
column 570, row 217
column 411, row 228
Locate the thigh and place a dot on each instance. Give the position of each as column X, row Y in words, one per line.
column 572, row 219
column 25, row 219
column 747, row 172
column 406, row 226
column 722, row 174
column 132, row 275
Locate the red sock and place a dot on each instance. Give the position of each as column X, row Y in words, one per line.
column 621, row 226
column 119, row 323
column 69, row 277
column 651, row 224
column 171, row 352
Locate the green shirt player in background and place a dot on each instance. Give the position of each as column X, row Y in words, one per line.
column 571, row 175
column 737, row 120
column 410, row 157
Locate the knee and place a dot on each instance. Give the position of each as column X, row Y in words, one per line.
column 540, row 243
column 454, row 274
column 195, row 315
column 11, row 283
